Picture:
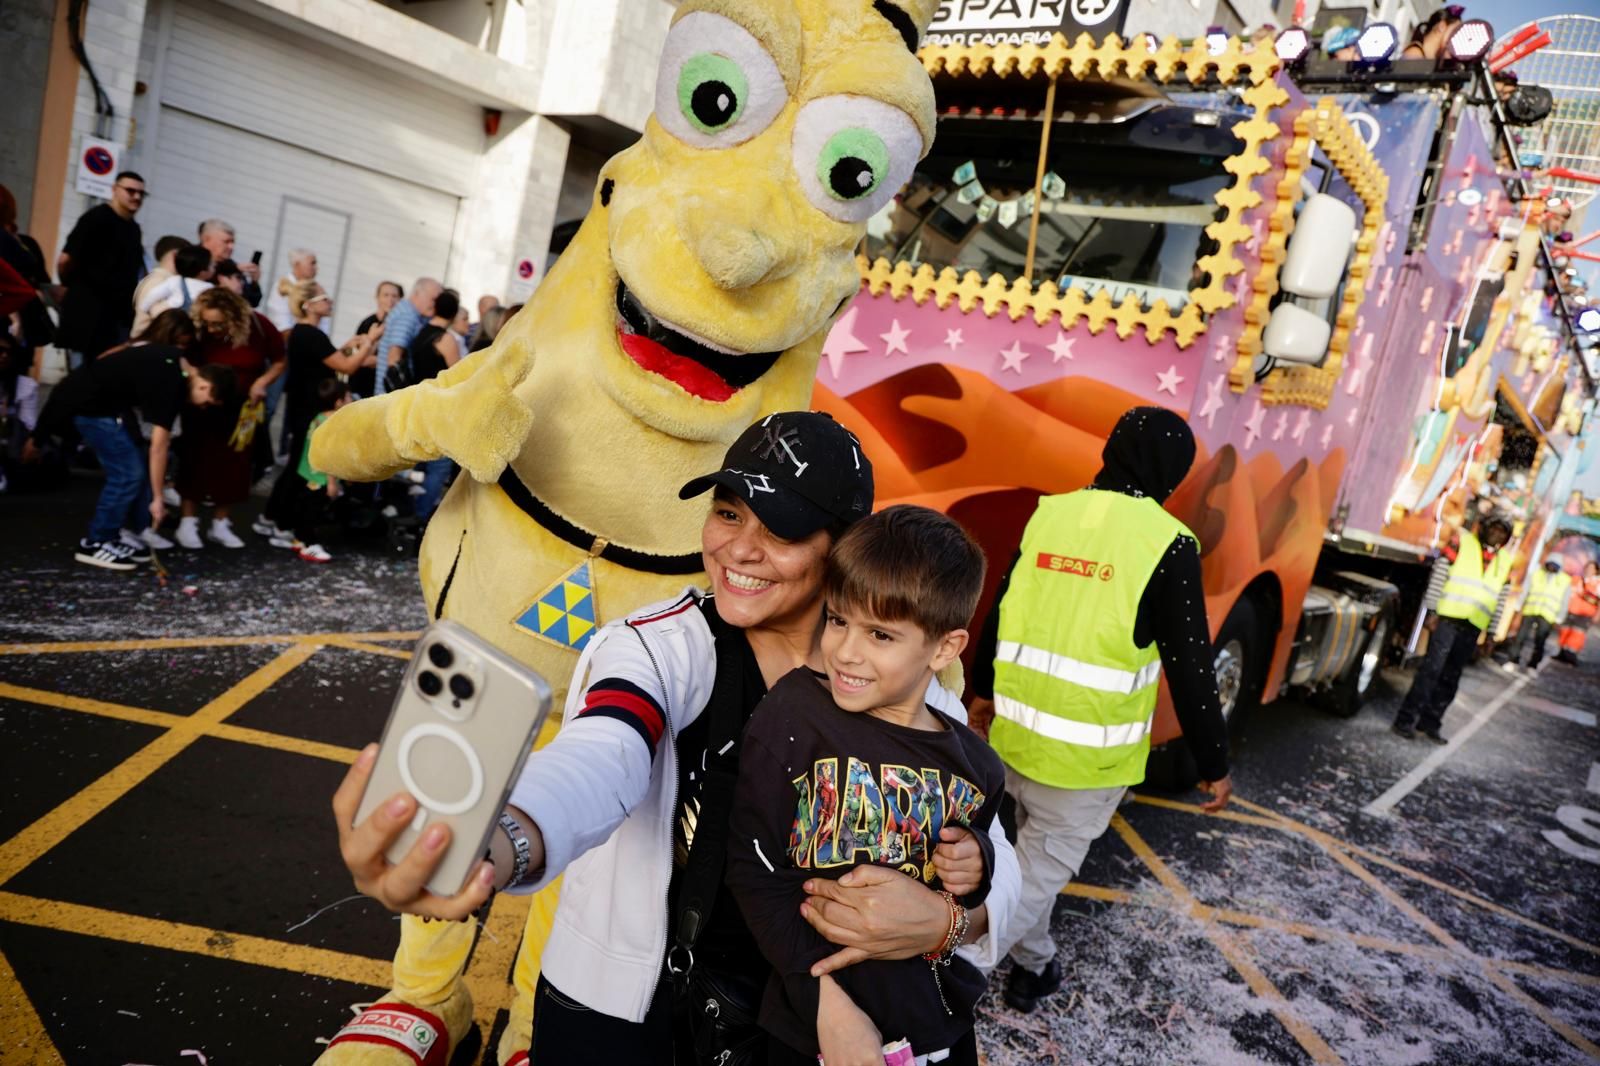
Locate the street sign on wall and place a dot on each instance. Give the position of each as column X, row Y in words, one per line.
column 993, row 22
column 97, row 167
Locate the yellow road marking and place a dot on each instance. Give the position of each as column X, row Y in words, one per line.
column 1237, row 954
column 182, row 723
column 489, row 973
column 1327, row 933
column 372, row 649
column 1271, row 819
column 167, row 643
column 62, row 821
column 193, row 940
column 28, row 1043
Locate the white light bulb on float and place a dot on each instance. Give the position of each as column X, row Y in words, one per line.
column 1216, row 41
column 1292, row 44
column 1470, row 40
column 1377, row 42
column 1589, row 320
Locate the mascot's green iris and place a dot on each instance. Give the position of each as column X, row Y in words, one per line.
column 853, row 163
column 712, row 91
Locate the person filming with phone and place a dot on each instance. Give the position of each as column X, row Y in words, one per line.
column 631, row 801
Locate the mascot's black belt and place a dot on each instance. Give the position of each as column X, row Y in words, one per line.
column 585, row 541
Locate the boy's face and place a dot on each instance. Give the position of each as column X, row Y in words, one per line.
column 872, row 663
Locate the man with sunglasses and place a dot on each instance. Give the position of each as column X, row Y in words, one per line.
column 100, row 265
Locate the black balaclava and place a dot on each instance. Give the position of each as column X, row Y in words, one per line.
column 1149, row 453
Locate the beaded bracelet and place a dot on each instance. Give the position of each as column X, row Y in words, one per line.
column 960, row 922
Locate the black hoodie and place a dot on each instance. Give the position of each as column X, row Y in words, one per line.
column 1149, row 453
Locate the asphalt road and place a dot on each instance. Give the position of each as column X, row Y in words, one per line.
column 167, row 863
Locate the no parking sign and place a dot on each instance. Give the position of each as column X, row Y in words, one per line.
column 97, row 167
column 526, row 279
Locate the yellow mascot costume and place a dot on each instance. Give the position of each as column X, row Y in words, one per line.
column 694, row 300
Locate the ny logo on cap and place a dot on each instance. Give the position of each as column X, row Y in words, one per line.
column 775, row 438
column 751, row 481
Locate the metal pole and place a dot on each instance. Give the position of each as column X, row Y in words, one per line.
column 1038, row 179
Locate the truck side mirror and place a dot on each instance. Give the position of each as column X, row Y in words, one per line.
column 1319, row 248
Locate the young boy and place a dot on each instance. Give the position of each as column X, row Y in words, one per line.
column 852, row 767
column 301, row 490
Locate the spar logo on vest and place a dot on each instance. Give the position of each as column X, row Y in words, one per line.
column 1066, row 564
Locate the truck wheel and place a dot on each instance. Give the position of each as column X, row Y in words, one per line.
column 1242, row 653
column 1345, row 697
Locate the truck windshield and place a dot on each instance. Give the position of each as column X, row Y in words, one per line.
column 1123, row 205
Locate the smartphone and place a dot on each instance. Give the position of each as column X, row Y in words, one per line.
column 461, row 727
column 255, row 257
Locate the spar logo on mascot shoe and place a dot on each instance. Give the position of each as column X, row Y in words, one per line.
column 694, row 300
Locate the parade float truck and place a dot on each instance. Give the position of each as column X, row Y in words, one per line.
column 1333, row 287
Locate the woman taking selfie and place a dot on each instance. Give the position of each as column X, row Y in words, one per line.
column 646, row 934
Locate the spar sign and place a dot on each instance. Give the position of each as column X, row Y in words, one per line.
column 1015, row 22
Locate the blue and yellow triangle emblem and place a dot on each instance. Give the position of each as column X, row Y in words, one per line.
column 564, row 613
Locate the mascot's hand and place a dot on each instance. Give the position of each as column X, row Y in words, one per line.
column 476, row 419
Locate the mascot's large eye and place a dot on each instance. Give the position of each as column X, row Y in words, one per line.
column 852, row 153
column 717, row 86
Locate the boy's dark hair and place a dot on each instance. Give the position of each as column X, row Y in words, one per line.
column 224, row 383
column 134, row 174
column 170, row 243
column 227, row 268
column 329, row 392
column 907, row 564
column 192, row 260
column 448, row 305
column 172, row 327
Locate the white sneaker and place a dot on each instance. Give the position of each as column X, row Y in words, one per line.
column 266, row 527
column 189, row 534
column 103, row 554
column 283, row 540
column 148, row 538
column 315, row 553
column 171, row 497
column 221, row 532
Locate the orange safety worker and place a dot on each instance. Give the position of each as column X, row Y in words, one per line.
column 1582, row 606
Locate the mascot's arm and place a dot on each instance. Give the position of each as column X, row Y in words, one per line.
column 468, row 413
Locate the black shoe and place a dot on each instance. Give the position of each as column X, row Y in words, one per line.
column 1403, row 731
column 1024, row 989
column 102, row 554
column 1434, row 736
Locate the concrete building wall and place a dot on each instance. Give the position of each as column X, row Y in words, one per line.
column 112, row 34
column 25, row 42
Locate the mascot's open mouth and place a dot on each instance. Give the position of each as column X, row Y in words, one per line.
column 705, row 371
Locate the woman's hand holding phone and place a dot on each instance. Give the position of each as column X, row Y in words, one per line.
column 402, row 887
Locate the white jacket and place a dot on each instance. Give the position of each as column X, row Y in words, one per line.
column 605, row 809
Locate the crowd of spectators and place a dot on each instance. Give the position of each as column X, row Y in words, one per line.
column 191, row 388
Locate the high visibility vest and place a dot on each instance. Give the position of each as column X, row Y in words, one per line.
column 1471, row 590
column 1074, row 696
column 1545, row 593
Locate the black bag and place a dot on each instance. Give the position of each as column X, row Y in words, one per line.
column 397, row 376
column 719, row 1009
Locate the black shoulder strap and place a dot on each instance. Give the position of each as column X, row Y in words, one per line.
column 704, row 873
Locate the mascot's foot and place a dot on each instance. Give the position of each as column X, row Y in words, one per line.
column 392, row 1032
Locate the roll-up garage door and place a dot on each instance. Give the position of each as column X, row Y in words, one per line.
column 300, row 145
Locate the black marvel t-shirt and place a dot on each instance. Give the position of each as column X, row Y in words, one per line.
column 822, row 791
column 146, row 376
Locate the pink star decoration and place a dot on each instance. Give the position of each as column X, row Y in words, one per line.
column 1282, row 424
column 895, row 339
column 1252, row 428
column 842, row 341
column 1213, row 404
column 1327, row 436
column 1011, row 358
column 953, row 339
column 1169, row 381
column 1301, row 425
column 1060, row 348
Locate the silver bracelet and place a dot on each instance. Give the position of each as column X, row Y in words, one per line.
column 521, row 850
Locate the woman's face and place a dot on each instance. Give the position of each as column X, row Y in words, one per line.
column 388, row 296
column 318, row 307
column 213, row 323
column 759, row 578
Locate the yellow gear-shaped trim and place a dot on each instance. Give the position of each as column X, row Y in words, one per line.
column 1322, row 123
column 1113, row 58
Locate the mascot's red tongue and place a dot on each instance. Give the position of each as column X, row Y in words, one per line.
column 680, row 370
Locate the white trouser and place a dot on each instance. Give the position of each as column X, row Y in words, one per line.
column 1055, row 827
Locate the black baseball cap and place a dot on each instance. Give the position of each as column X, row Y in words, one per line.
column 800, row 471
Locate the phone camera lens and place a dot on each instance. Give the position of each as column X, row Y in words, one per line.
column 461, row 686
column 440, row 656
column 429, row 683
